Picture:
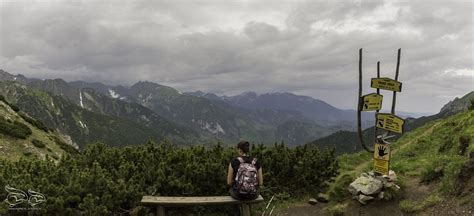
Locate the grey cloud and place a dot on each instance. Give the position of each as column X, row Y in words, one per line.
column 305, row 47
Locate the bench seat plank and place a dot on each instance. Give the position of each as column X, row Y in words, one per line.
column 202, row 200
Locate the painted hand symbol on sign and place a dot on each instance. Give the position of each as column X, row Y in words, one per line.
column 382, row 151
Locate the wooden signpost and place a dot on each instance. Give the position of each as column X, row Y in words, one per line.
column 382, row 158
column 384, row 121
column 371, row 102
column 390, row 122
column 386, row 84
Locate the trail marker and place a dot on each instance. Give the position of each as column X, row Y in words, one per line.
column 371, row 102
column 386, row 121
column 390, row 122
column 386, row 84
column 382, row 151
column 381, row 166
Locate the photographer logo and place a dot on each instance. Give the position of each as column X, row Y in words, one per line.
column 16, row 197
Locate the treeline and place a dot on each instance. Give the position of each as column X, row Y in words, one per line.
column 105, row 180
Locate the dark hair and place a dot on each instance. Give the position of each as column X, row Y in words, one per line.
column 244, row 146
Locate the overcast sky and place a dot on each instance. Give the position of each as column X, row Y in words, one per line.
column 229, row 47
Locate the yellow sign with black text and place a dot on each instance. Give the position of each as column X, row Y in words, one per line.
column 371, row 102
column 386, row 84
column 390, row 122
column 381, row 166
column 382, row 151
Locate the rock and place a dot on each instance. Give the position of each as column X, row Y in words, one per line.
column 380, row 196
column 363, row 199
column 322, row 198
column 392, row 176
column 313, row 201
column 371, row 173
column 353, row 191
column 396, row 188
column 388, row 184
column 366, row 184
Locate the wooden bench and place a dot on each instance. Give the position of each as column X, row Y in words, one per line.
column 161, row 202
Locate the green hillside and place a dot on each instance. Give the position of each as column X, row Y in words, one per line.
column 84, row 126
column 348, row 141
column 23, row 136
column 435, row 164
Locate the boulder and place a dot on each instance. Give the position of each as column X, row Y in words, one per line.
column 322, row 198
column 363, row 199
column 366, row 185
column 313, row 201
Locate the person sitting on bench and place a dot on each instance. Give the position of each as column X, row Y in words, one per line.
column 244, row 176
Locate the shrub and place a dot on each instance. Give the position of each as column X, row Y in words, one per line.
column 14, row 129
column 14, row 107
column 64, row 146
column 338, row 190
column 38, row 143
column 464, row 141
column 102, row 180
column 38, row 124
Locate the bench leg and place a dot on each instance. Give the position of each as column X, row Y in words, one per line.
column 245, row 208
column 160, row 211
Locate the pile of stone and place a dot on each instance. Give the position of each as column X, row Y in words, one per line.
column 370, row 186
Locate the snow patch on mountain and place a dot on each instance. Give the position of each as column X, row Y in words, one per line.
column 213, row 128
column 113, row 94
column 82, row 124
column 80, row 99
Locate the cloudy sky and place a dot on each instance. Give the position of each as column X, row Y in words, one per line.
column 229, row 47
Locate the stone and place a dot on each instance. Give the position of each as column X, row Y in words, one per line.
column 392, row 176
column 396, row 188
column 353, row 191
column 380, row 196
column 366, row 184
column 363, row 199
column 313, row 201
column 371, row 173
column 388, row 184
column 322, row 198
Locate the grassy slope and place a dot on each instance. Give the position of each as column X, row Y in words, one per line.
column 14, row 148
column 417, row 156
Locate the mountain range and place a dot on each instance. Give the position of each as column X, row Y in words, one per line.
column 119, row 115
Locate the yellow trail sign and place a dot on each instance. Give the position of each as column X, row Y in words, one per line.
column 390, row 122
column 381, row 166
column 382, row 151
column 386, row 84
column 371, row 102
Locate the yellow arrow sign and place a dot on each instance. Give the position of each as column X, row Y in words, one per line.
column 390, row 122
column 381, row 166
column 386, row 84
column 371, row 102
column 382, row 151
